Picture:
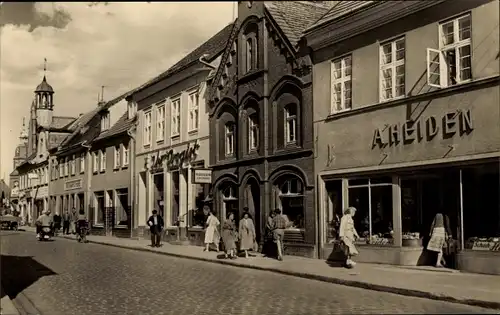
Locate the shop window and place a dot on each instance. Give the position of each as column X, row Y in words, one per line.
column 481, row 207
column 99, row 207
column 198, row 218
column 373, row 219
column 334, row 209
column 289, row 197
column 121, row 209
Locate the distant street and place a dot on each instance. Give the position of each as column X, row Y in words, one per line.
column 65, row 277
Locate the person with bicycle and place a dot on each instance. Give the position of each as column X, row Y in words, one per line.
column 81, row 223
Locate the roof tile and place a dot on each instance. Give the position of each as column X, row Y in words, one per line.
column 338, row 9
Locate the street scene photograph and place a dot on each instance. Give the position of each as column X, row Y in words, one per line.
column 250, row 157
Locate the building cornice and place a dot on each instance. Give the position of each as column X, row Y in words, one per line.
column 362, row 21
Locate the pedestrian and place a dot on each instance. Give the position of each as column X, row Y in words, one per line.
column 280, row 223
column 81, row 221
column 229, row 236
column 156, row 224
column 268, row 248
column 439, row 235
column 73, row 220
column 66, row 219
column 247, row 233
column 211, row 232
column 57, row 223
column 348, row 234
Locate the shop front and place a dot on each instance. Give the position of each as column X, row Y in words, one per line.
column 175, row 181
column 40, row 200
column 400, row 166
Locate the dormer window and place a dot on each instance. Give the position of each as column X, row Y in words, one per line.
column 105, row 122
column 132, row 109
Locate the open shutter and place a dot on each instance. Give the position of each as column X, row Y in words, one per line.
column 436, row 74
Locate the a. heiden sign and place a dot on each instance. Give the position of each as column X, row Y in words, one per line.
column 172, row 159
column 459, row 121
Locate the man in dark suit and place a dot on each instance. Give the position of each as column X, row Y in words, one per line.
column 155, row 223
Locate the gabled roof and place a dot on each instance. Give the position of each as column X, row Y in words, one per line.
column 61, row 123
column 337, row 10
column 293, row 17
column 213, row 47
column 121, row 126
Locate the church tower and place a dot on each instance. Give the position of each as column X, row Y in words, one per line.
column 23, row 136
column 44, row 99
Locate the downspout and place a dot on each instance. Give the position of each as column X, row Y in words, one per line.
column 89, row 179
column 133, row 217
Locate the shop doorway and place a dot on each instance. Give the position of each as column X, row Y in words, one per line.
column 252, row 199
column 81, row 202
column 158, row 194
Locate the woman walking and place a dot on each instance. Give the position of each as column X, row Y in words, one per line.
column 440, row 232
column 229, row 236
column 247, row 234
column 211, row 233
column 348, row 235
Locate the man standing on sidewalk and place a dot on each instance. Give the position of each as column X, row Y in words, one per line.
column 155, row 223
column 66, row 218
column 73, row 220
column 280, row 223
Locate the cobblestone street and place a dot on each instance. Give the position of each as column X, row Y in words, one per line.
column 65, row 277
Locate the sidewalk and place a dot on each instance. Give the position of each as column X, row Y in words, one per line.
column 6, row 305
column 464, row 288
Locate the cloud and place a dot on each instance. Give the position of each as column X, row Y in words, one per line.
column 118, row 45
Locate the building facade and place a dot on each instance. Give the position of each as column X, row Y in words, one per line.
column 20, row 156
column 45, row 131
column 407, row 124
column 172, row 143
column 261, row 136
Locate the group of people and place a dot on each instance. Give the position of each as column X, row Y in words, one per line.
column 69, row 220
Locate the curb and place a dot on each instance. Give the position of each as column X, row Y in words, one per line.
column 7, row 307
column 350, row 283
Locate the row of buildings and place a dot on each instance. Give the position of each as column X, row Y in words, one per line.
column 307, row 106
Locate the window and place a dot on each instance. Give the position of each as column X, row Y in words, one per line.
column 95, row 164
column 289, row 198
column 176, row 117
column 249, row 54
column 73, row 165
column 253, row 132
column 147, row 128
column 105, row 122
column 451, row 64
column 99, row 207
column 193, row 111
column 125, row 154
column 229, row 131
column 160, row 122
column 117, row 157
column 392, row 70
column 103, row 160
column 291, row 124
column 132, row 109
column 372, row 199
column 82, row 163
column 341, row 85
column 121, row 209
column 66, row 167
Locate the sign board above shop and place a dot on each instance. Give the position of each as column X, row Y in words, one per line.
column 202, row 176
column 424, row 129
column 73, row 184
column 172, row 159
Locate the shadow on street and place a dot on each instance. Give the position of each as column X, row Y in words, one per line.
column 20, row 272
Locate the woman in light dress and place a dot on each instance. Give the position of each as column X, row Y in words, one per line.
column 212, row 233
column 247, row 234
column 440, row 232
column 348, row 235
column 229, row 236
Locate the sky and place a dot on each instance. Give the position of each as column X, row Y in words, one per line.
column 89, row 45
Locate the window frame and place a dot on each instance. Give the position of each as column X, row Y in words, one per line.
column 116, row 157
column 73, row 165
column 341, row 80
column 147, row 136
column 288, row 118
column 393, row 65
column 125, row 153
column 194, row 111
column 160, row 121
column 229, row 135
column 95, row 162
column 102, row 162
column 175, row 112
column 440, row 61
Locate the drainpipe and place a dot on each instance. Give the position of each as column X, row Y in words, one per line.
column 88, row 173
column 133, row 219
column 202, row 60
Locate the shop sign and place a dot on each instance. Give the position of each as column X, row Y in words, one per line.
column 487, row 246
column 202, row 176
column 459, row 121
column 73, row 184
column 171, row 158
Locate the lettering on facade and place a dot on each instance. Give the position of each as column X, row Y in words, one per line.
column 459, row 121
column 73, row 184
column 202, row 176
column 172, row 159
